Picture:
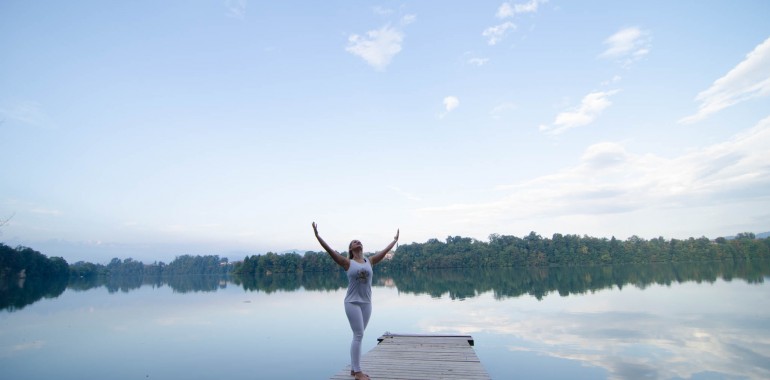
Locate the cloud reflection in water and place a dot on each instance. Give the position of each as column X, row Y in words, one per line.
column 678, row 332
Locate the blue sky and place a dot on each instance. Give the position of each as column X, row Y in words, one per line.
column 151, row 129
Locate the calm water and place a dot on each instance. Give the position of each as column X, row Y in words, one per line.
column 653, row 322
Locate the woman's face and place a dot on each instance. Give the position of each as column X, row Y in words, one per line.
column 356, row 245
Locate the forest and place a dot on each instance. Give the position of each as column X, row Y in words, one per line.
column 461, row 267
column 185, row 264
column 22, row 262
column 532, row 250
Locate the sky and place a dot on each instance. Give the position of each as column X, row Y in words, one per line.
column 153, row 129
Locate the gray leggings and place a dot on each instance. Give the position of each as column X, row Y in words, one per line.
column 358, row 316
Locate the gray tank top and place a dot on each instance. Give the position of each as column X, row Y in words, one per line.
column 359, row 282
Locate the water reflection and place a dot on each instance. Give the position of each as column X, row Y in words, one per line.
column 539, row 282
column 323, row 281
column 179, row 283
column 693, row 332
column 15, row 294
column 455, row 283
column 595, row 322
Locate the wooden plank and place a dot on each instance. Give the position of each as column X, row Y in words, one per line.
column 423, row 337
column 415, row 356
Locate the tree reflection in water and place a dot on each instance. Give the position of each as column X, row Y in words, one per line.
column 458, row 283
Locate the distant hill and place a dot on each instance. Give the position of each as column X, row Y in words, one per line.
column 761, row 235
column 297, row 251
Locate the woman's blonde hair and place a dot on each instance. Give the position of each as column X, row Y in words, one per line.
column 350, row 250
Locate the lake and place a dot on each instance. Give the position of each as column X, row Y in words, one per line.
column 704, row 321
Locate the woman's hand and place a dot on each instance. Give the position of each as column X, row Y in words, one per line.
column 381, row 254
column 339, row 259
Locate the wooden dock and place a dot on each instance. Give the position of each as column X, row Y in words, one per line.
column 413, row 357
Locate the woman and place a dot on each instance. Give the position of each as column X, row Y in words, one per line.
column 358, row 300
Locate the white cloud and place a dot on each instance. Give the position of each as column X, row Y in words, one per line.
column 451, row 102
column 382, row 11
column 627, row 45
column 528, row 7
column 478, row 61
column 749, row 79
column 495, row 34
column 604, row 155
column 33, row 345
column 378, row 47
column 501, row 109
column 590, row 108
column 507, row 10
column 236, row 8
column 615, row 79
column 610, row 180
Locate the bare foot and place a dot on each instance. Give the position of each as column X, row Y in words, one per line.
column 361, row 376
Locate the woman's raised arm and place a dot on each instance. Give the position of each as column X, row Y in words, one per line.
column 381, row 254
column 342, row 261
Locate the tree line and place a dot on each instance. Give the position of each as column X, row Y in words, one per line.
column 455, row 283
column 532, row 250
column 185, row 264
column 270, row 263
column 21, row 262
